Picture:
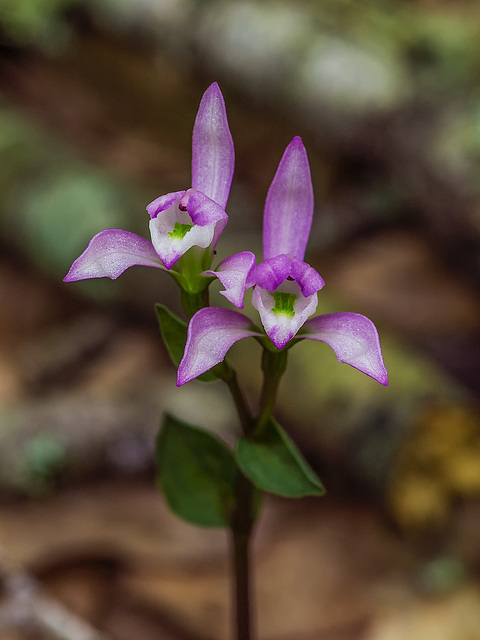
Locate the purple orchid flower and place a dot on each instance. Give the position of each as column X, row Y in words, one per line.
column 285, row 288
column 180, row 220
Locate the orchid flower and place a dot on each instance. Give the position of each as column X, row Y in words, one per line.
column 284, row 288
column 179, row 220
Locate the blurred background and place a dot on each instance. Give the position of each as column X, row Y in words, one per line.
column 97, row 104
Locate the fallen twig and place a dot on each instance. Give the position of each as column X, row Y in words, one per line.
column 24, row 605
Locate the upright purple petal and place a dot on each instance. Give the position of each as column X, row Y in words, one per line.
column 289, row 205
column 211, row 333
column 213, row 155
column 234, row 273
column 110, row 253
column 354, row 339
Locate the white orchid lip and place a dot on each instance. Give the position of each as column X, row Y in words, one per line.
column 191, row 220
column 283, row 311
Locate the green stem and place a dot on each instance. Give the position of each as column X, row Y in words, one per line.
column 243, row 516
column 193, row 302
column 242, row 520
column 241, row 527
column 229, row 376
column 273, row 365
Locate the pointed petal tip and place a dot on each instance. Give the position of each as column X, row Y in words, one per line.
column 296, row 146
column 181, row 379
column 69, row 277
column 383, row 378
column 279, row 344
column 296, row 142
column 214, row 88
column 75, row 275
column 377, row 372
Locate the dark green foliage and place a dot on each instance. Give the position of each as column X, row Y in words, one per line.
column 273, row 463
column 197, row 473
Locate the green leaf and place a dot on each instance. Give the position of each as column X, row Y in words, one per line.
column 197, row 473
column 273, row 463
column 174, row 334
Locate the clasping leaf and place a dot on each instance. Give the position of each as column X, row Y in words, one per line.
column 197, row 473
column 273, row 463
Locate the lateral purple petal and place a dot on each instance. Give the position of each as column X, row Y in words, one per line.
column 235, row 274
column 202, row 209
column 110, row 253
column 163, row 202
column 211, row 333
column 309, row 280
column 213, row 155
column 272, row 272
column 289, row 205
column 354, row 339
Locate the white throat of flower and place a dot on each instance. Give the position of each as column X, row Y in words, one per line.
column 173, row 233
column 284, row 310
